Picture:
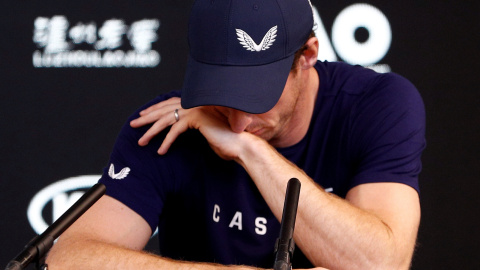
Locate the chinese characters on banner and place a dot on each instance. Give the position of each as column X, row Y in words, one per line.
column 56, row 41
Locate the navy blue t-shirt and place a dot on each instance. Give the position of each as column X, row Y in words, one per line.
column 366, row 127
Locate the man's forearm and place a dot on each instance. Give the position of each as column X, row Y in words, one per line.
column 329, row 230
column 92, row 254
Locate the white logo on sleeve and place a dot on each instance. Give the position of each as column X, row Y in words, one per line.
column 122, row 174
column 250, row 45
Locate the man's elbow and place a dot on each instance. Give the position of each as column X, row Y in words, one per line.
column 399, row 258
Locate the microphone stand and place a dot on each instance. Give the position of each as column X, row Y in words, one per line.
column 285, row 245
column 38, row 247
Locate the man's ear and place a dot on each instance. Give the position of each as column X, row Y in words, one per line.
column 310, row 54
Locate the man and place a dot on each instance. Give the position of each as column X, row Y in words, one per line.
column 257, row 109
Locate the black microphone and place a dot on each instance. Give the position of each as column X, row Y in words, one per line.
column 38, row 247
column 285, row 245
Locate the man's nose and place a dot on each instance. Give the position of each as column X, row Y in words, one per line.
column 239, row 120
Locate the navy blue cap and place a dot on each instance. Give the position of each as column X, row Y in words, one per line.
column 241, row 51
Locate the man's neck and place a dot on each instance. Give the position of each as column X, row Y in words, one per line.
column 299, row 123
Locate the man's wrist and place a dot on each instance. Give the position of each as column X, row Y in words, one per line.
column 252, row 149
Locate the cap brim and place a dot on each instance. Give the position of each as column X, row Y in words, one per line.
column 253, row 89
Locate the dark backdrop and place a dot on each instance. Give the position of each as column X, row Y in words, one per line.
column 60, row 117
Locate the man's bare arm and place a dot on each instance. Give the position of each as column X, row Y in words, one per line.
column 375, row 228
column 112, row 236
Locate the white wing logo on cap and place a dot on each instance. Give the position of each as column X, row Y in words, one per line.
column 250, row 45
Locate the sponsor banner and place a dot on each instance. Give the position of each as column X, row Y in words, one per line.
column 73, row 71
column 57, row 41
column 361, row 35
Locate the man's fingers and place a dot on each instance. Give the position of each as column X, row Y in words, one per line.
column 151, row 117
column 172, row 135
column 156, row 112
column 174, row 101
column 160, row 124
column 151, row 132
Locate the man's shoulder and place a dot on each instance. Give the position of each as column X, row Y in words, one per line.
column 342, row 78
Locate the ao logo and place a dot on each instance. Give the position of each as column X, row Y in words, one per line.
column 352, row 18
column 58, row 195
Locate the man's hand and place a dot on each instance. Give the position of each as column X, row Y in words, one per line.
column 161, row 114
column 210, row 122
